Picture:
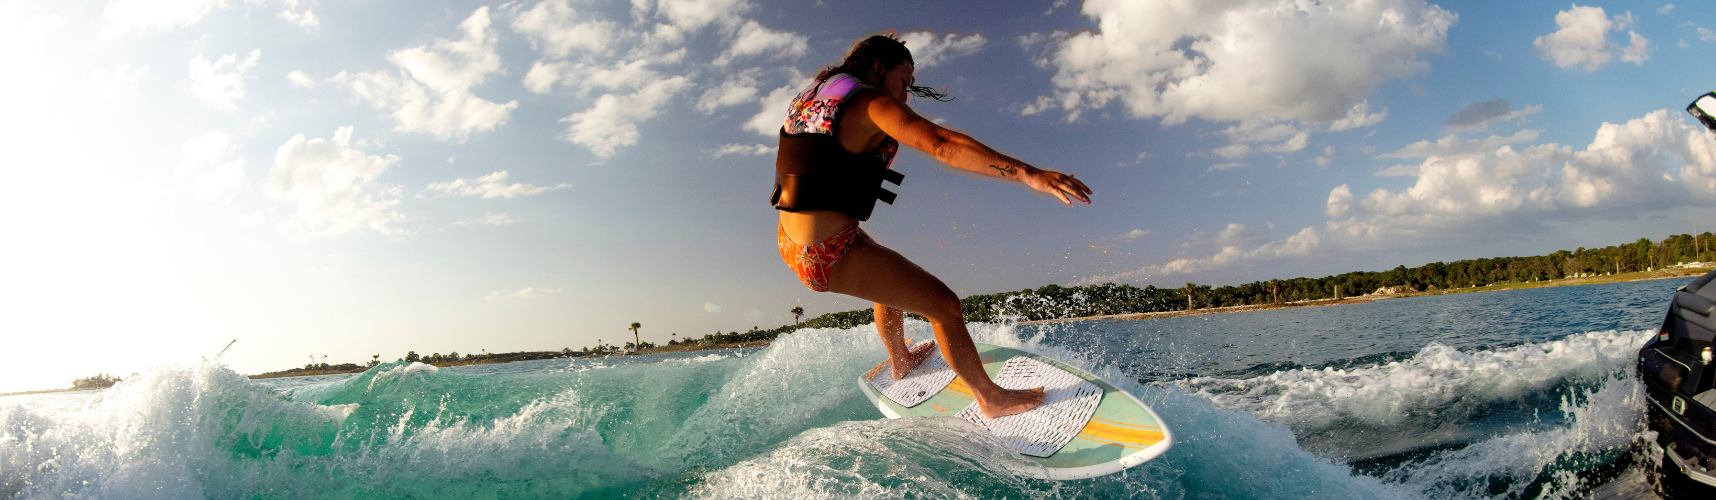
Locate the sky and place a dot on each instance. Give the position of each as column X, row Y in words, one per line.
column 336, row 180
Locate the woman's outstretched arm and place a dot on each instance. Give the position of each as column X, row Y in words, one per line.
column 961, row 151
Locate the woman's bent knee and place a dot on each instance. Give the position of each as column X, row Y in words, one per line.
column 944, row 307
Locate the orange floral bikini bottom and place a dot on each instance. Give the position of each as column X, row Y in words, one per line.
column 811, row 262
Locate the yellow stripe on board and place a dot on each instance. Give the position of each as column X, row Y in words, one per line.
column 1120, row 434
column 1107, row 442
column 958, row 388
column 1124, row 424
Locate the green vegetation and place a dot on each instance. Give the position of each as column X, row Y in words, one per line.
column 99, row 381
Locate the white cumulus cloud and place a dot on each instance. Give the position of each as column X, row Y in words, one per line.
column 1260, row 136
column 299, row 79
column 693, row 15
column 1637, row 51
column 744, row 150
column 619, row 67
column 1454, row 145
column 1239, row 60
column 1465, row 189
column 431, row 91
column 1340, row 201
column 333, row 187
column 490, row 186
column 1132, row 235
column 929, row 50
column 753, row 39
column 768, row 121
column 305, row 19
column 1359, row 116
column 1583, row 40
column 611, row 123
column 1627, row 166
column 738, row 89
column 221, row 82
column 558, row 30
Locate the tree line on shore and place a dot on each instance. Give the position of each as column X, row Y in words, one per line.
column 97, row 381
column 1057, row 302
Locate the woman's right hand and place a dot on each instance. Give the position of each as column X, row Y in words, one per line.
column 1060, row 185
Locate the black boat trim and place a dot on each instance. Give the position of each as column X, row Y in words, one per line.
column 1677, row 419
column 1696, row 475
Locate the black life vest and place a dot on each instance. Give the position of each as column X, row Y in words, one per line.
column 812, row 172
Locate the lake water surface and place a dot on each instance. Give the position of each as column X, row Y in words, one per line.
column 1507, row 394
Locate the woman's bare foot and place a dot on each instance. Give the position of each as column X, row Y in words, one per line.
column 914, row 357
column 1004, row 402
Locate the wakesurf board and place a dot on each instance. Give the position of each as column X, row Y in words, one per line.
column 1085, row 427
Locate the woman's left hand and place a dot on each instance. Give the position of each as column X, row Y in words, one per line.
column 1062, row 186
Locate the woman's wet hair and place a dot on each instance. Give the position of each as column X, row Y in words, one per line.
column 890, row 52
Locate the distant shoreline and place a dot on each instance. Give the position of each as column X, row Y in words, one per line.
column 516, row 356
column 690, row 346
column 1593, row 280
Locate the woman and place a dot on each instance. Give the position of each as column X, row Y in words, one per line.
column 838, row 142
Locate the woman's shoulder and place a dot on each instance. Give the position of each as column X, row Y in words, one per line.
column 836, row 87
column 816, row 109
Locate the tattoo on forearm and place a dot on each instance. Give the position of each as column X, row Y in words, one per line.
column 1007, row 171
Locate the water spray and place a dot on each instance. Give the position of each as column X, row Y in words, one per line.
column 223, row 350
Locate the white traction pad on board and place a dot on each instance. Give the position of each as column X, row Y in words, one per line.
column 926, row 380
column 1068, row 403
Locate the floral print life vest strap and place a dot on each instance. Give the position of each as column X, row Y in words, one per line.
column 816, row 109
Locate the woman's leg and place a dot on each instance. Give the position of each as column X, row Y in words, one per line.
column 890, row 323
column 872, row 272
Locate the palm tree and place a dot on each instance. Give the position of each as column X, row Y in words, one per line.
column 635, row 341
column 797, row 312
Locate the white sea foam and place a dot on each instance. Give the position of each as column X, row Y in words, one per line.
column 207, row 432
column 1604, row 424
column 391, row 376
column 765, row 398
column 1424, row 400
column 158, row 434
column 1436, row 377
column 912, row 458
column 706, row 358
